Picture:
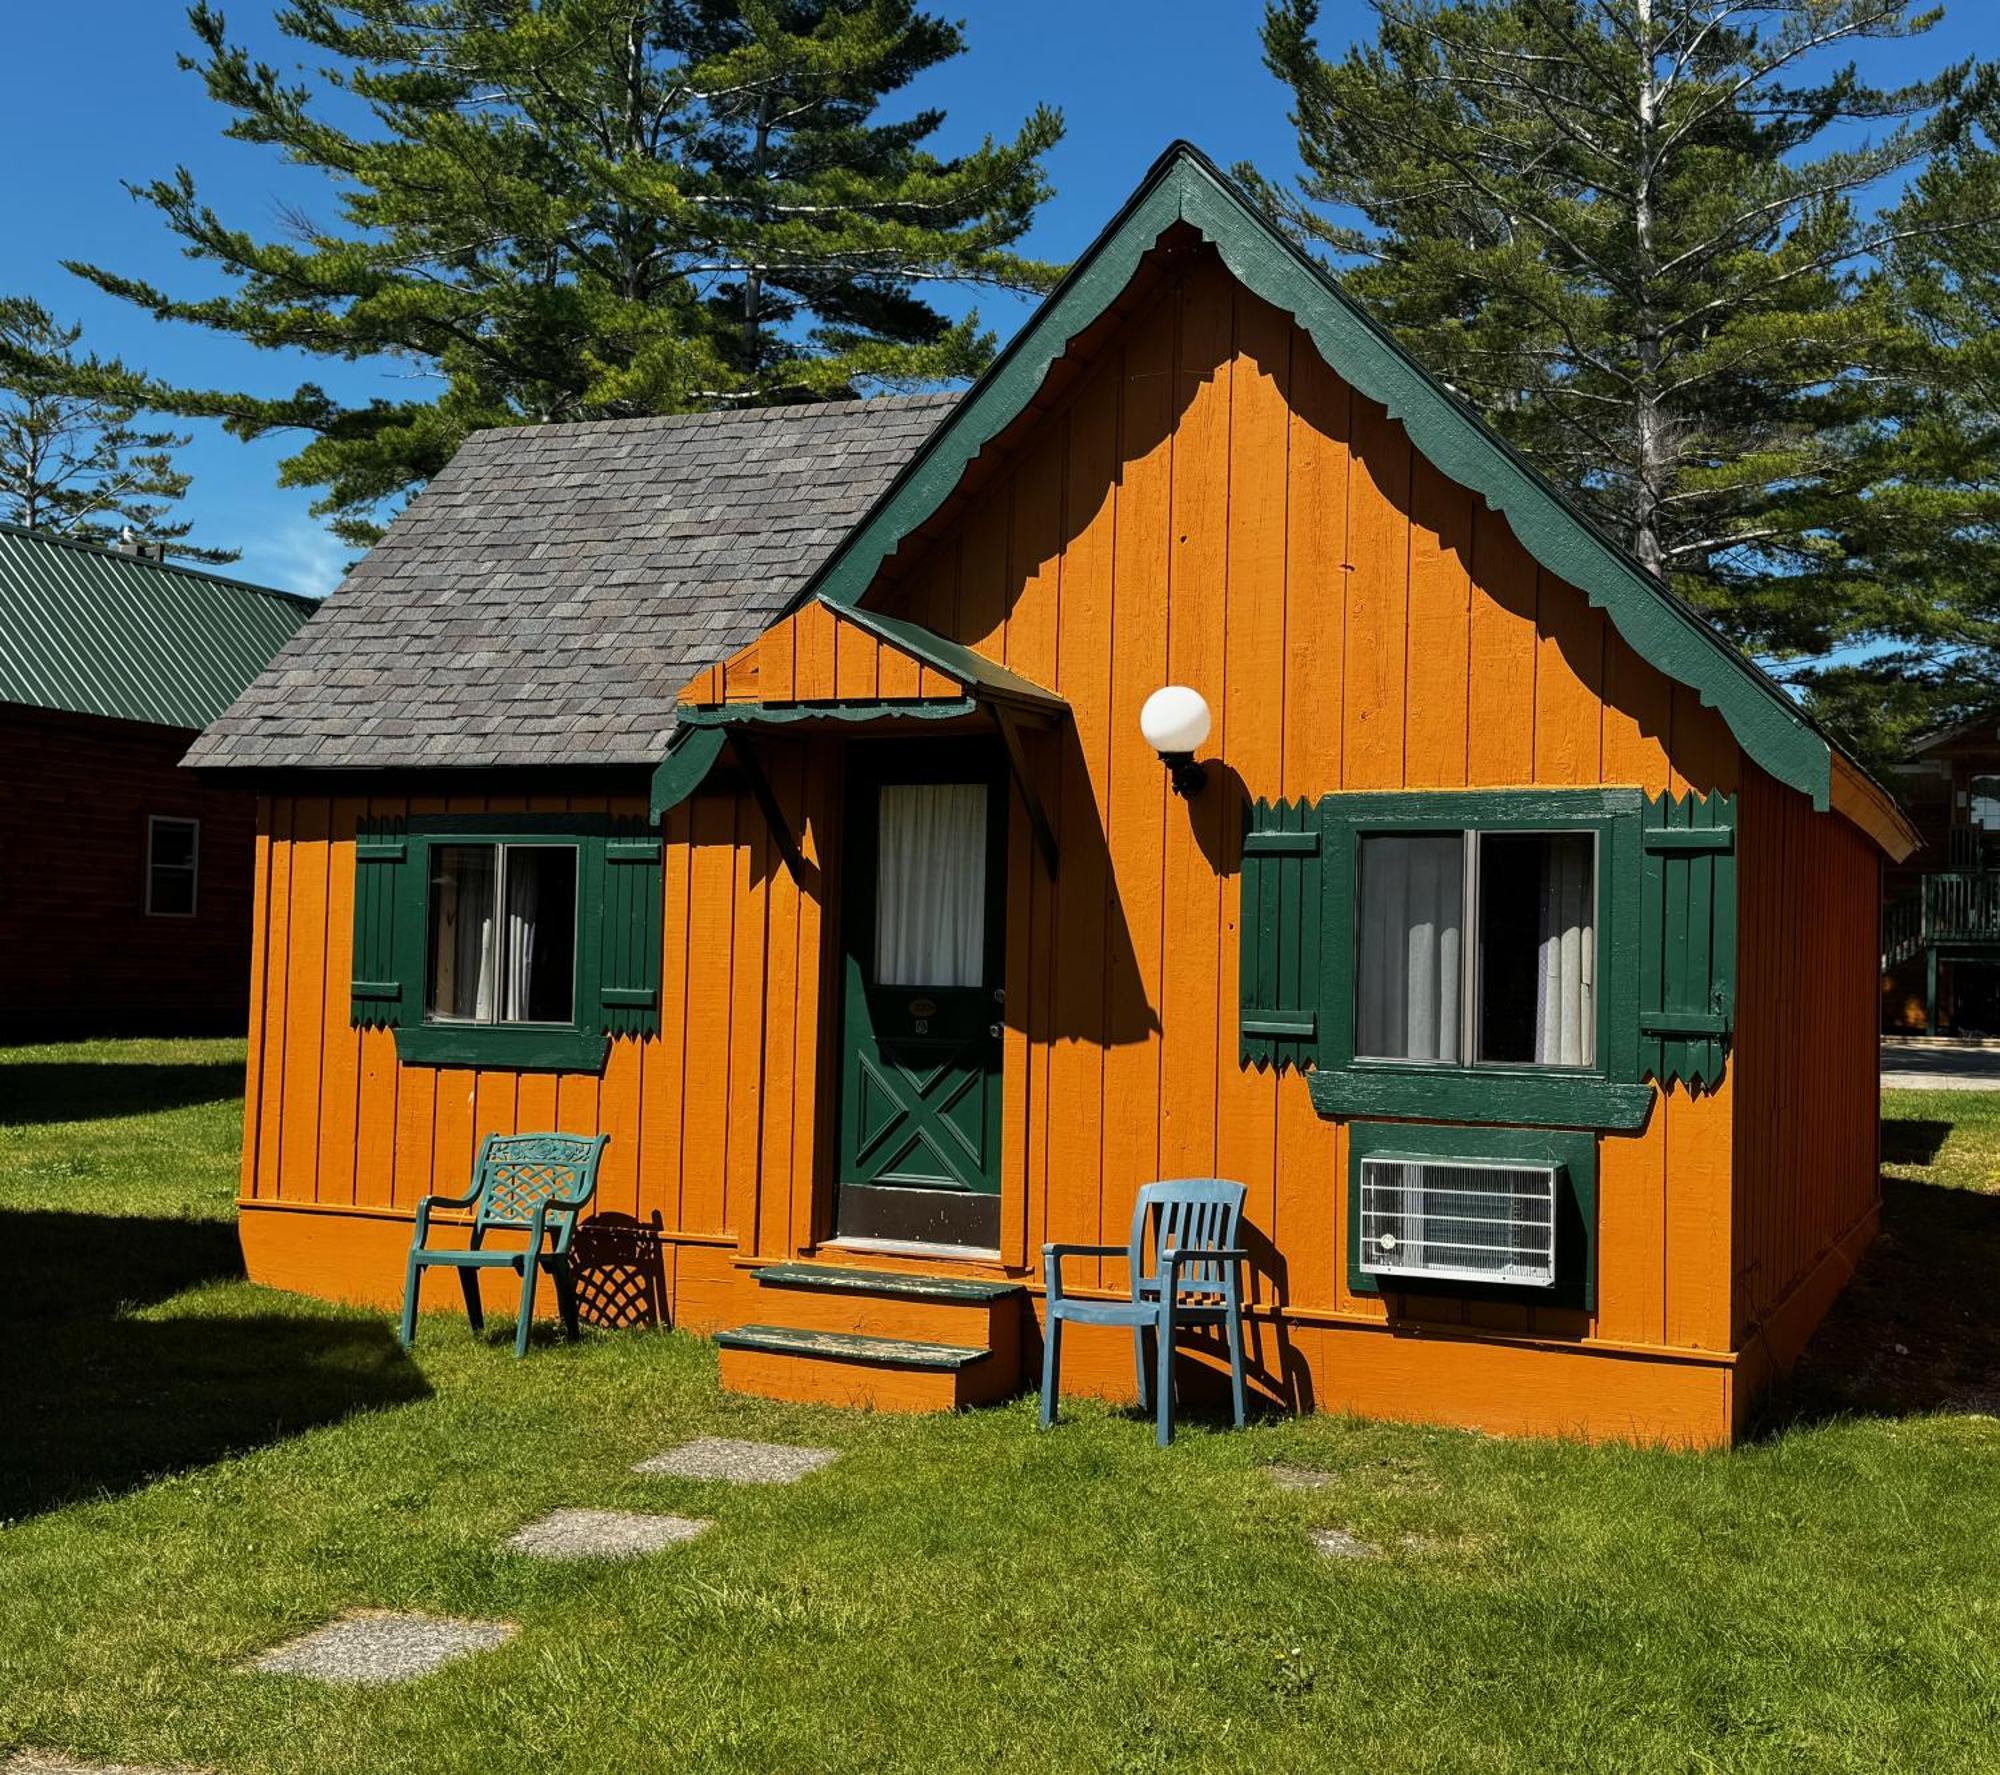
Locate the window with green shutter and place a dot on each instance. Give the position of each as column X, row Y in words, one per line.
column 1526, row 957
column 507, row 940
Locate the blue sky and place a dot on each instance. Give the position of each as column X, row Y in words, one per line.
column 90, row 96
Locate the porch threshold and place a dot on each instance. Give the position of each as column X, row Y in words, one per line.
column 915, row 1248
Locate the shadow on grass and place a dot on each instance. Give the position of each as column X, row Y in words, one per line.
column 1913, row 1142
column 95, row 1401
column 37, row 1091
column 1916, row 1330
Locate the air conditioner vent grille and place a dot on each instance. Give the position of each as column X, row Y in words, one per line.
column 1460, row 1220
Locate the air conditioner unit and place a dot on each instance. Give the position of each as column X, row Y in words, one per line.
column 1461, row 1220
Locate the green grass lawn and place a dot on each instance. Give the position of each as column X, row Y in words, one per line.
column 196, row 1469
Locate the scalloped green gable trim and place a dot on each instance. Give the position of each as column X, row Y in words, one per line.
column 1185, row 186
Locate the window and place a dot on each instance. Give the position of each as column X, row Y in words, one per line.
column 1523, row 992
column 930, row 887
column 1984, row 809
column 173, row 851
column 507, row 939
column 502, row 933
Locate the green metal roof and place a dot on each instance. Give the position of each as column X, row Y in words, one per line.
column 93, row 631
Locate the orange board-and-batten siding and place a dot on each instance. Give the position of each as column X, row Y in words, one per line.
column 1204, row 501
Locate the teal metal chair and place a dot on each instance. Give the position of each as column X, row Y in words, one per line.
column 1186, row 1268
column 535, row 1184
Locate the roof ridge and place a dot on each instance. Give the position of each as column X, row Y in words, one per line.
column 90, row 546
column 787, row 410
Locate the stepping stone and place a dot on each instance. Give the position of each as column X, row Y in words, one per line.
column 742, row 1463
column 1289, row 1478
column 373, row 1647
column 49, row 1762
column 603, row 1534
column 1337, row 1543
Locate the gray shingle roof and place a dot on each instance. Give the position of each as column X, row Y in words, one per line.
column 545, row 597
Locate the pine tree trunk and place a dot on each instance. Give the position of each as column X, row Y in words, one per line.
column 753, row 279
column 1649, row 439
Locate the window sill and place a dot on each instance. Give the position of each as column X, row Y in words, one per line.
column 535, row 1049
column 1456, row 1094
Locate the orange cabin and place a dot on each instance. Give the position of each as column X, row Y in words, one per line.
column 768, row 792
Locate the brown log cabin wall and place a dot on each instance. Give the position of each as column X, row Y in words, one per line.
column 1207, row 504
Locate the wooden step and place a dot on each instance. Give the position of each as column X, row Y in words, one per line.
column 818, row 1367
column 893, row 1304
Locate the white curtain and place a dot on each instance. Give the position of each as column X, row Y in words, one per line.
column 524, row 898
column 464, row 919
column 1412, row 925
column 930, row 891
column 1566, row 995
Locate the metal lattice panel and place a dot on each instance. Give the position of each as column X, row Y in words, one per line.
column 1467, row 1220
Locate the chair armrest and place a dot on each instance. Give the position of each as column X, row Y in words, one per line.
column 1053, row 1255
column 425, row 1206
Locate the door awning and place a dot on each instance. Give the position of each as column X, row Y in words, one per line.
column 847, row 670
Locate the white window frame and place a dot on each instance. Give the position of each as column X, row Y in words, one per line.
column 193, row 871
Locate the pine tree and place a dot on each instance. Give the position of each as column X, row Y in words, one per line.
column 73, row 463
column 1640, row 236
column 570, row 209
column 1928, row 652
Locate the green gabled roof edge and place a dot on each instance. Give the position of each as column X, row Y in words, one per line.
column 953, row 658
column 1184, row 185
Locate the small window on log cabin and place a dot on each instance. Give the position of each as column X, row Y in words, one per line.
column 502, row 933
column 173, row 860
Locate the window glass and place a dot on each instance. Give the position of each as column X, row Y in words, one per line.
column 1984, row 810
column 1409, row 964
column 1538, row 948
column 171, row 856
column 490, row 968
column 538, row 940
column 930, row 885
column 463, row 885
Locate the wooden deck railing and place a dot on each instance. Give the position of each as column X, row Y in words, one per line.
column 1957, row 906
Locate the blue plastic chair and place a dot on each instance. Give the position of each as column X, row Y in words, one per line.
column 530, row 1183
column 1186, row 1269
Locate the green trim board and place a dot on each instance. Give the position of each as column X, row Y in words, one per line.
column 990, row 680
column 616, row 989
column 1609, row 1095
column 1185, row 187
column 1576, row 1206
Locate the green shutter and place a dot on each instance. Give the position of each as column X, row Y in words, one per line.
column 381, row 855
column 629, row 937
column 1279, row 922
column 1687, row 956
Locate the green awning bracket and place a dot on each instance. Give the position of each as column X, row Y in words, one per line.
column 1017, row 763
column 691, row 755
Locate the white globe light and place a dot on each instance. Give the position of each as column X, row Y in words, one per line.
column 1175, row 719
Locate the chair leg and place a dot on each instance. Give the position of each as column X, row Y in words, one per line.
column 407, row 1331
column 1164, row 1377
column 1051, row 1368
column 1236, row 1364
column 475, row 1306
column 530, row 1269
column 1143, row 1365
column 565, row 1281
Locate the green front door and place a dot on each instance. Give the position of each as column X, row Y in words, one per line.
column 923, row 924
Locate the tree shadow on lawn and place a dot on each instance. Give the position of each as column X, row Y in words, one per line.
column 95, row 1401
column 38, row 1091
column 1916, row 1330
